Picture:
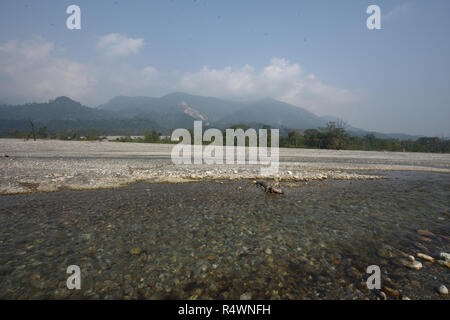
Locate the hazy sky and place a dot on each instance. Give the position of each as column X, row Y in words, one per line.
column 315, row 54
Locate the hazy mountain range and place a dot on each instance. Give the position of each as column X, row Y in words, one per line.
column 135, row 115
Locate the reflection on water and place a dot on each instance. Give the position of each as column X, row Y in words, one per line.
column 227, row 240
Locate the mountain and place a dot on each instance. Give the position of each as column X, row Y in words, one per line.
column 124, row 115
column 274, row 113
column 400, row 136
column 135, row 115
column 208, row 109
column 60, row 114
column 215, row 112
column 62, row 108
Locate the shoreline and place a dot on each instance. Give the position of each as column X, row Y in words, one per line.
column 53, row 165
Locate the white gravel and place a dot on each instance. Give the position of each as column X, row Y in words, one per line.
column 49, row 165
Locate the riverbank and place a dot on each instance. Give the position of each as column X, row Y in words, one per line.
column 52, row 165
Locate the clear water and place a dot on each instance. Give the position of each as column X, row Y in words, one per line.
column 221, row 240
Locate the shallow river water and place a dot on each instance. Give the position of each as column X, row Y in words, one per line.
column 228, row 240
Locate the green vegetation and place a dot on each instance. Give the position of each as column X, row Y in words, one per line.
column 333, row 136
column 43, row 133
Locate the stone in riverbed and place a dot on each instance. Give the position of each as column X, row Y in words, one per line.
column 425, row 233
column 392, row 292
column 444, row 263
column 425, row 257
column 135, row 251
column 85, row 236
column 411, row 263
column 382, row 295
column 246, row 296
column 443, row 290
column 143, row 257
column 445, row 256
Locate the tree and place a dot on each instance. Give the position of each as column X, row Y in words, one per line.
column 42, row 132
column 295, row 137
column 32, row 130
column 334, row 135
column 371, row 141
column 155, row 136
column 269, row 135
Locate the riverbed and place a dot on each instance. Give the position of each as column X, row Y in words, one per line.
column 227, row 239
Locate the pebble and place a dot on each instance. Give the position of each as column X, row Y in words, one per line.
column 268, row 251
column 425, row 233
column 143, row 258
column 443, row 290
column 135, row 251
column 246, row 296
column 426, row 239
column 392, row 292
column 425, row 257
column 444, row 263
column 85, row 236
column 413, row 264
column 445, row 256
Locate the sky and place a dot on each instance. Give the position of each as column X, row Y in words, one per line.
column 318, row 55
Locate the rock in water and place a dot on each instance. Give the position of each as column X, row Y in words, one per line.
column 135, row 251
column 425, row 257
column 445, row 256
column 412, row 263
column 425, row 233
column 261, row 184
column 246, row 296
column 272, row 187
column 443, row 290
column 392, row 292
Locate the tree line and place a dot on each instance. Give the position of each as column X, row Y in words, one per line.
column 332, row 136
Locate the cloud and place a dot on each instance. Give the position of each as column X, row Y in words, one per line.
column 31, row 71
column 398, row 11
column 118, row 45
column 30, row 51
column 280, row 80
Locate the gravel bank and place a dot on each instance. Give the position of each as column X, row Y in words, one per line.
column 51, row 165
